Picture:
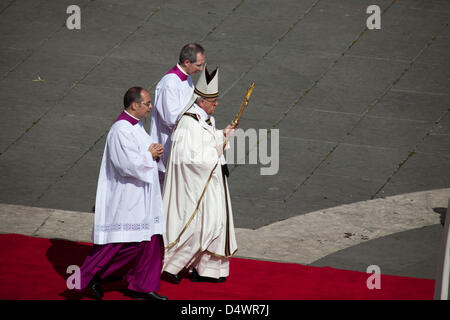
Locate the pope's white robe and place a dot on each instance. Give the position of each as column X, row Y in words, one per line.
column 206, row 238
column 172, row 94
column 128, row 205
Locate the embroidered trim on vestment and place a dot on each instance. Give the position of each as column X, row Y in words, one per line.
column 123, row 227
column 221, row 256
column 206, row 95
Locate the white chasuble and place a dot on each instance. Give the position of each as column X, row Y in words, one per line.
column 193, row 156
column 128, row 205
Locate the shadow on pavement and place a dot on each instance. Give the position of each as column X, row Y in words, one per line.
column 64, row 253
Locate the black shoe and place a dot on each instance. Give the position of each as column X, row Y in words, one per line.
column 170, row 277
column 147, row 296
column 95, row 287
column 112, row 279
column 195, row 277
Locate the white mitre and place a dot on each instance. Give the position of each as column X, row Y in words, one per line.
column 208, row 84
column 207, row 87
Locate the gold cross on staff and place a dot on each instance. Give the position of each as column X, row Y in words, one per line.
column 244, row 104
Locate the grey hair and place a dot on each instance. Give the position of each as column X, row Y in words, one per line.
column 199, row 99
column 189, row 52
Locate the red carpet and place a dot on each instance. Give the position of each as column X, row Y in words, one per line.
column 35, row 268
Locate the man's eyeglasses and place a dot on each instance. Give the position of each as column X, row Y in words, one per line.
column 147, row 103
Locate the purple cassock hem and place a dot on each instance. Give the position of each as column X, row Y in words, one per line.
column 127, row 117
column 178, row 72
column 139, row 263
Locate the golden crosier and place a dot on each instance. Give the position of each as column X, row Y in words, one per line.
column 244, row 104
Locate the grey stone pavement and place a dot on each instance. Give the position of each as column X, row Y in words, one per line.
column 363, row 118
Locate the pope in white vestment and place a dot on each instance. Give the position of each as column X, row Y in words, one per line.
column 200, row 229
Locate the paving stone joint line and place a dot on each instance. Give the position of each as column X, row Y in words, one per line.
column 41, row 44
column 410, row 154
column 364, row 115
column 58, row 100
column 146, row 20
column 270, row 49
column 294, row 104
column 9, row 5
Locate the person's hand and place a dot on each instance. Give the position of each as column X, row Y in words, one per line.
column 229, row 130
column 156, row 149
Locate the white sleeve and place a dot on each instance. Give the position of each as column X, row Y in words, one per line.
column 221, row 138
column 168, row 105
column 191, row 149
column 127, row 159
